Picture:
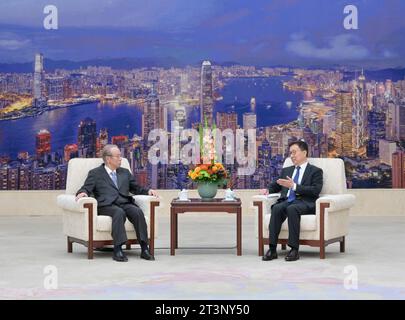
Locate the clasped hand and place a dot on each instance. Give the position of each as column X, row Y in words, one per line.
column 288, row 183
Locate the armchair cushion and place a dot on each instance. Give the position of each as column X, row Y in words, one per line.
column 104, row 224
column 308, row 223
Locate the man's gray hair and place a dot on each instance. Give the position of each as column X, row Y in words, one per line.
column 107, row 151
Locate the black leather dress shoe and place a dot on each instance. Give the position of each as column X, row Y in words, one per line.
column 120, row 256
column 146, row 255
column 293, row 255
column 270, row 255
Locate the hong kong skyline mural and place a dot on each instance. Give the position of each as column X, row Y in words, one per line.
column 77, row 76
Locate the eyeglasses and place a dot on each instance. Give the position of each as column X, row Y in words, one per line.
column 115, row 156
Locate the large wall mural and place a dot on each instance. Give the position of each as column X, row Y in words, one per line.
column 77, row 75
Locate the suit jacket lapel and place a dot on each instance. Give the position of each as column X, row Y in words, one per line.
column 119, row 178
column 289, row 173
column 107, row 177
column 306, row 174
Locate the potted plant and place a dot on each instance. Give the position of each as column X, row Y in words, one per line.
column 208, row 177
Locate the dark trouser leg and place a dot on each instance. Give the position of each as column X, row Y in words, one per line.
column 278, row 216
column 118, row 221
column 137, row 218
column 294, row 212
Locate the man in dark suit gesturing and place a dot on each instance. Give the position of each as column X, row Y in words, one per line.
column 111, row 185
column 300, row 186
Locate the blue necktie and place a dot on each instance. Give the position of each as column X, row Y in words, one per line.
column 291, row 196
column 114, row 178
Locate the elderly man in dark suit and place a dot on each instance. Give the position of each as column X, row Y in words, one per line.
column 298, row 196
column 111, row 186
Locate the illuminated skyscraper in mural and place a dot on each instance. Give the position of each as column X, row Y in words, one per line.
column 360, row 115
column 43, row 143
column 344, row 108
column 402, row 120
column 206, row 99
column 376, row 128
column 39, row 85
column 154, row 116
column 398, row 169
column 70, row 151
column 102, row 140
column 55, row 88
column 393, row 121
column 87, row 138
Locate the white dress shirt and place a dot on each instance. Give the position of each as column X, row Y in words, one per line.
column 302, row 170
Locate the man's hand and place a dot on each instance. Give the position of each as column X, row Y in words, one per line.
column 81, row 195
column 152, row 193
column 288, row 183
column 264, row 192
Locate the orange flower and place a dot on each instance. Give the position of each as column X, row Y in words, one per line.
column 220, row 166
column 208, row 172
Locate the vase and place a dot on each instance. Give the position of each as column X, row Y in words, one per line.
column 207, row 189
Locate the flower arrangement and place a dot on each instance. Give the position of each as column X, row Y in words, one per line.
column 213, row 172
column 210, row 170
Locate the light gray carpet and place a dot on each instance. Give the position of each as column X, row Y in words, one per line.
column 374, row 250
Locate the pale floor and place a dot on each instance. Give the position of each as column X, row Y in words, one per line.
column 34, row 247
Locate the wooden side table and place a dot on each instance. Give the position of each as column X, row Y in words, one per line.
column 198, row 205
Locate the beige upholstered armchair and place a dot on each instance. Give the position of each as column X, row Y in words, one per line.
column 331, row 221
column 81, row 224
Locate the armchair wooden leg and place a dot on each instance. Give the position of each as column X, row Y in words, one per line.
column 322, row 251
column 128, row 246
column 323, row 207
column 261, row 247
column 89, row 208
column 342, row 245
column 90, row 251
column 283, row 247
column 152, row 246
column 176, row 221
column 69, row 245
column 260, row 226
column 153, row 204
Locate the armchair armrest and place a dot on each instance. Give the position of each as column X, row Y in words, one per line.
column 79, row 217
column 261, row 205
column 267, row 199
column 148, row 205
column 337, row 202
column 68, row 202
